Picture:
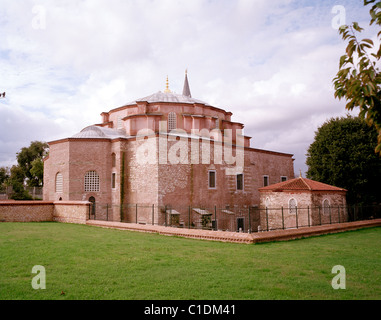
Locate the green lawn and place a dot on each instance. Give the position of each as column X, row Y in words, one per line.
column 94, row 263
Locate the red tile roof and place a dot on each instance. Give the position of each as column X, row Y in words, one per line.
column 301, row 184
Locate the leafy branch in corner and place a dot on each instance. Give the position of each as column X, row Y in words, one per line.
column 358, row 79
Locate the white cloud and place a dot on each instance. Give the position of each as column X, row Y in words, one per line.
column 270, row 63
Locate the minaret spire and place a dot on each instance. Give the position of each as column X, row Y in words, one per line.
column 186, row 90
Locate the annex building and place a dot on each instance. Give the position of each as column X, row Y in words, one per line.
column 165, row 150
column 301, row 202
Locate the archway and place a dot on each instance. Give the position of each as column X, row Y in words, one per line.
column 92, row 206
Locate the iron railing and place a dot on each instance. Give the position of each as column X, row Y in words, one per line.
column 238, row 219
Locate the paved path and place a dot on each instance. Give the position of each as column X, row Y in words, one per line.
column 237, row 237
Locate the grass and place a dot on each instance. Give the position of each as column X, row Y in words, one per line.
column 94, row 263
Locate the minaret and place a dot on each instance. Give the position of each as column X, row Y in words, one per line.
column 186, row 90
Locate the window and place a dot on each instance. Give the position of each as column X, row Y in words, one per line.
column 217, row 124
column 283, row 178
column 212, row 179
column 120, row 123
column 91, row 181
column 113, row 180
column 59, row 182
column 113, row 160
column 240, row 181
column 292, row 206
column 326, row 206
column 172, row 121
column 265, row 181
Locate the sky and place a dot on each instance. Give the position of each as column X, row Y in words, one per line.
column 271, row 63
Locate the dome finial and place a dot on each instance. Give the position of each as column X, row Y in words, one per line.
column 167, row 86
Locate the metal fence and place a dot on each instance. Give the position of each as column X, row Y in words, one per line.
column 238, row 219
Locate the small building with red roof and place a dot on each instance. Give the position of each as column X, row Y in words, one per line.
column 301, row 202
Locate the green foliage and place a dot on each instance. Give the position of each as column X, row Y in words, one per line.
column 358, row 79
column 342, row 155
column 37, row 171
column 16, row 180
column 25, row 159
column 4, row 176
column 30, row 170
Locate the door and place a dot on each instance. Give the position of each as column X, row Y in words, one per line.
column 240, row 224
column 92, row 206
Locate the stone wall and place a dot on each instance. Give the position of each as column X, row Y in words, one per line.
column 276, row 214
column 40, row 211
column 71, row 211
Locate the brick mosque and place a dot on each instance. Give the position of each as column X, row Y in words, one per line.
column 164, row 150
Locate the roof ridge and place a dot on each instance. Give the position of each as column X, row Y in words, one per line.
column 305, row 183
column 301, row 183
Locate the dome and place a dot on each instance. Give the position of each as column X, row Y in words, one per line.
column 168, row 97
column 95, row 132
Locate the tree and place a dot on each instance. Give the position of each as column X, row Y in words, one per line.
column 342, row 155
column 26, row 160
column 37, row 171
column 16, row 180
column 358, row 79
column 4, row 176
column 29, row 171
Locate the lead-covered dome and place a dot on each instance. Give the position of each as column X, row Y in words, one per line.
column 96, row 132
column 168, row 97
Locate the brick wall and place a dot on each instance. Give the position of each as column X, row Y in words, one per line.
column 57, row 161
column 158, row 182
column 39, row 211
column 26, row 211
column 187, row 184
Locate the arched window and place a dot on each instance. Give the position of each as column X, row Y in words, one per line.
column 59, row 182
column 267, row 202
column 292, row 206
column 113, row 160
column 217, row 125
column 239, row 181
column 326, row 206
column 91, row 181
column 172, row 121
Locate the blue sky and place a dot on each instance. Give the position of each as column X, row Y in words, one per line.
column 271, row 63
